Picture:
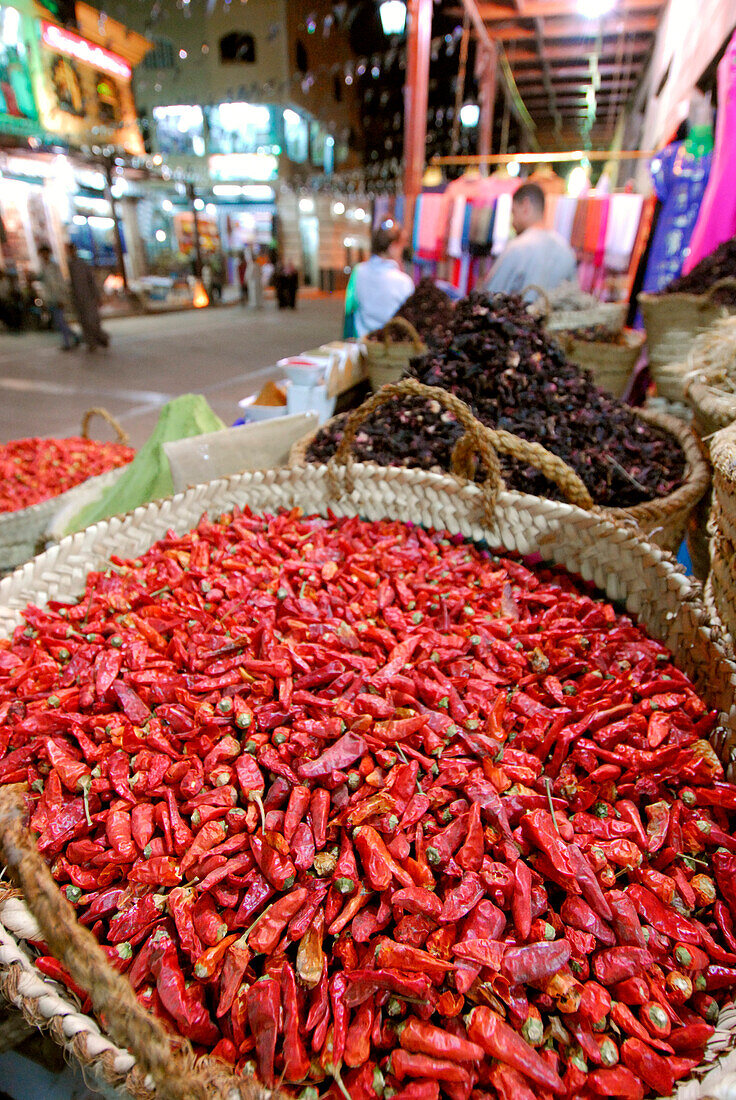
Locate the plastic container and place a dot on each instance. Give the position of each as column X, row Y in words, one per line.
column 302, row 399
column 262, row 412
column 304, row 372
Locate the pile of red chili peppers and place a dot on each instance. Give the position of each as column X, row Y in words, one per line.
column 369, row 811
column 32, row 470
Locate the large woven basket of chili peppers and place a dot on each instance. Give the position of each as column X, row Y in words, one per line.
column 356, row 784
column 37, row 474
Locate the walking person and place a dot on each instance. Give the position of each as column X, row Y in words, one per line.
column 243, row 279
column 85, row 298
column 217, row 277
column 55, row 294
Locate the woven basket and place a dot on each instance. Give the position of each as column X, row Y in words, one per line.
column 713, row 408
column 387, row 359
column 663, row 520
column 672, row 322
column 21, row 532
column 610, row 555
column 611, row 363
column 608, row 315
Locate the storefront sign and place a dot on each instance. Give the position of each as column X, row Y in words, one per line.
column 244, row 166
column 64, row 42
column 18, row 114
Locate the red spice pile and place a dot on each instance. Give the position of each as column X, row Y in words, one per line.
column 32, row 470
column 360, row 805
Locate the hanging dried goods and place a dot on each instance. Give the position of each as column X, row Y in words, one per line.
column 499, row 360
column 360, row 805
column 32, row 470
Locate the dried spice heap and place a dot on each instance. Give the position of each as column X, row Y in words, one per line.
column 429, row 310
column 500, row 361
column 721, row 264
column 356, row 804
column 32, row 470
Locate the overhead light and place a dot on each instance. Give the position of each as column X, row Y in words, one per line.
column 513, row 168
column 227, row 190
column 161, row 235
column 306, row 206
column 393, row 16
column 338, row 208
column 167, row 206
column 199, row 204
column 470, row 115
column 210, row 208
column 595, row 9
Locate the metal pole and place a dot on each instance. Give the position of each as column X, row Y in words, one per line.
column 119, row 250
column 488, row 75
column 416, row 100
column 197, row 243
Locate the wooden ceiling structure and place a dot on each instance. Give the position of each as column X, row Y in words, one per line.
column 574, row 73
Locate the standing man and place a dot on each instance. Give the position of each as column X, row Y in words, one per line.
column 55, row 294
column 379, row 286
column 536, row 256
column 85, row 298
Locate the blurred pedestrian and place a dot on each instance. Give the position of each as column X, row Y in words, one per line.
column 243, row 279
column 56, row 297
column 379, row 286
column 536, row 256
column 217, row 277
column 85, row 297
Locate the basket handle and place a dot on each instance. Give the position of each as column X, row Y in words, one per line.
column 727, row 281
column 112, row 996
column 123, row 436
column 542, row 294
column 478, row 439
column 408, row 328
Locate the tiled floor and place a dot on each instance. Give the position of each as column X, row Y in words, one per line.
column 225, row 353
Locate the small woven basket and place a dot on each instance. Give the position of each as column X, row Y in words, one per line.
column 664, row 520
column 607, row 315
column 610, row 362
column 387, row 359
column 21, row 532
column 672, row 322
column 133, row 1051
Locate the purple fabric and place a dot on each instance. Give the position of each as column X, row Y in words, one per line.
column 680, row 181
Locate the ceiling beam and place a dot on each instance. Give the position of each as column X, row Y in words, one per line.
column 606, row 72
column 608, row 28
column 551, row 9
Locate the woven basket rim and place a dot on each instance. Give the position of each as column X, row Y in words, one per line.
column 557, row 520
column 695, row 482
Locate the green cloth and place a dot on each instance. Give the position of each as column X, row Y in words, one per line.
column 351, row 306
column 148, row 477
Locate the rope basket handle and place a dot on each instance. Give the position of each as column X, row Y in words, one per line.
column 478, row 439
column 112, row 996
column 542, row 294
column 727, row 282
column 407, row 327
column 123, row 436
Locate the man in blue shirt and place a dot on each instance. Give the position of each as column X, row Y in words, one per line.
column 536, row 256
column 378, row 287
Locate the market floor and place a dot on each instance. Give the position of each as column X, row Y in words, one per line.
column 225, row 353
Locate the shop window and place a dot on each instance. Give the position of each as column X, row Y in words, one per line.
column 237, row 48
column 161, row 56
column 302, row 62
column 241, row 128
